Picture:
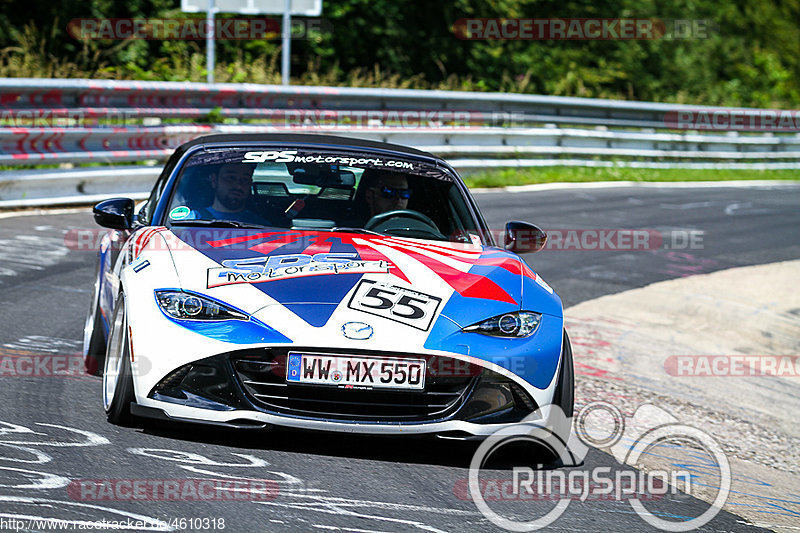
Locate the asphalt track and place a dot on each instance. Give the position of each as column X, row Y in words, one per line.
column 53, row 431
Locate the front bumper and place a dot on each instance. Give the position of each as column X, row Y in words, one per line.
column 248, row 420
column 247, row 388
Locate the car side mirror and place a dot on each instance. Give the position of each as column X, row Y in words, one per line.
column 116, row 213
column 522, row 237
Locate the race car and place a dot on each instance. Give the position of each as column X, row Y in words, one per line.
column 324, row 283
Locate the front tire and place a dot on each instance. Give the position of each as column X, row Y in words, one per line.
column 117, row 376
column 564, row 395
column 94, row 341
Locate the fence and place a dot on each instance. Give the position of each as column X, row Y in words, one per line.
column 77, row 122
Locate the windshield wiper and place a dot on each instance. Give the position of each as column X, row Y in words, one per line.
column 356, row 230
column 217, row 222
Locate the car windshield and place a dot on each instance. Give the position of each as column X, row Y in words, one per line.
column 320, row 190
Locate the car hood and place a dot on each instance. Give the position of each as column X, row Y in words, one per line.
column 318, row 274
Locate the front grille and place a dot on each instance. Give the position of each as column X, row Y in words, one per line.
column 262, row 374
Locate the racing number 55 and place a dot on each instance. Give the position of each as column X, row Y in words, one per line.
column 404, row 301
column 413, row 308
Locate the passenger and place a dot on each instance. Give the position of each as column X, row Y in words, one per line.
column 232, row 185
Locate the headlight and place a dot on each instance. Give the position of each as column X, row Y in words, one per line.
column 185, row 305
column 517, row 324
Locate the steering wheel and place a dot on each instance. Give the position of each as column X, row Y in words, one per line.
column 408, row 213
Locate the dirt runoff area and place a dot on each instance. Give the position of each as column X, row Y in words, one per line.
column 720, row 352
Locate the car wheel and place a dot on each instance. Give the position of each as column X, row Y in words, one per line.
column 564, row 395
column 117, row 376
column 94, row 342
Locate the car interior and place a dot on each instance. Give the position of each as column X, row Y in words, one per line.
column 317, row 196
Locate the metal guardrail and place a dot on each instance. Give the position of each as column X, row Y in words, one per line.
column 137, row 143
column 93, row 121
column 102, row 98
column 52, row 187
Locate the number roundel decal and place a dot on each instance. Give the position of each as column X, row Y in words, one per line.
column 409, row 307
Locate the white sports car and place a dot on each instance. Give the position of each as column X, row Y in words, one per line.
column 322, row 283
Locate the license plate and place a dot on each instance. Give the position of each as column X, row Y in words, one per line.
column 372, row 372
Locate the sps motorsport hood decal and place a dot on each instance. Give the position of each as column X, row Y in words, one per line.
column 325, row 266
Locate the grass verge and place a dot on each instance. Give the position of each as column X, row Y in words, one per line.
column 524, row 176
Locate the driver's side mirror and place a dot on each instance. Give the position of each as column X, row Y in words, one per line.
column 116, row 213
column 522, row 237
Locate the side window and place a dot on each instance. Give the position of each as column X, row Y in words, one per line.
column 145, row 215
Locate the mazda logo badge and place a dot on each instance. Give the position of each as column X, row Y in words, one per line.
column 357, row 331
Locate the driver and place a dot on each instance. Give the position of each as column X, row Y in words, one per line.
column 232, row 183
column 389, row 192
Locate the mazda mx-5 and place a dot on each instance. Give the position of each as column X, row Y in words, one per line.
column 322, row 283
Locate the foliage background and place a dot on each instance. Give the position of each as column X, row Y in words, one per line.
column 753, row 58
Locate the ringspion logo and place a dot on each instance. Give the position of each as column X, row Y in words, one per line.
column 650, row 438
